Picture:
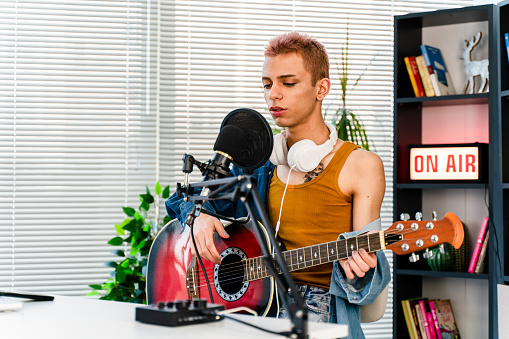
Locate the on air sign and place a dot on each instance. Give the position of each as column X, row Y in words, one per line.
column 447, row 163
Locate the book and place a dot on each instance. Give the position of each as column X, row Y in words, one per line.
column 479, row 267
column 506, row 38
column 435, row 319
column 409, row 320
column 411, row 303
column 478, row 245
column 420, row 321
column 424, row 74
column 431, row 326
column 413, row 74
column 440, row 78
column 446, row 321
column 426, row 319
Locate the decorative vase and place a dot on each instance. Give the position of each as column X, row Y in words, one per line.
column 441, row 261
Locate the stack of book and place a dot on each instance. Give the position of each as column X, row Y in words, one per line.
column 478, row 260
column 429, row 318
column 428, row 74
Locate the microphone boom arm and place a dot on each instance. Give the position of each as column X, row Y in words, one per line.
column 244, row 187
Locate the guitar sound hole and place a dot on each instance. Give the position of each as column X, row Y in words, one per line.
column 231, row 273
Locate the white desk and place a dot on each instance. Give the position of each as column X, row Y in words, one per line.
column 70, row 317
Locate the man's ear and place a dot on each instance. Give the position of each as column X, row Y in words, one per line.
column 323, row 88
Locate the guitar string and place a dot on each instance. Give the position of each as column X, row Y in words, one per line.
column 239, row 269
column 388, row 232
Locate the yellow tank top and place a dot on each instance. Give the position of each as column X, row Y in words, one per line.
column 314, row 212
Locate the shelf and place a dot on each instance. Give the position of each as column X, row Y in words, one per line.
column 452, row 16
column 463, row 275
column 447, row 119
column 447, row 100
column 440, row 186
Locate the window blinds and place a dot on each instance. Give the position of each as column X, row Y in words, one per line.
column 76, row 140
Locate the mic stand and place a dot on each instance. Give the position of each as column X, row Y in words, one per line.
column 244, row 187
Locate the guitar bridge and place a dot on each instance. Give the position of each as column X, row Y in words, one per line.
column 192, row 280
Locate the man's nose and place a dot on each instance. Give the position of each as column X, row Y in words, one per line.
column 275, row 92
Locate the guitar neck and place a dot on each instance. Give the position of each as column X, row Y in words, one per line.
column 304, row 257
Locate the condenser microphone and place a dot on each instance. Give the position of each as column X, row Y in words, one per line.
column 229, row 144
column 259, row 141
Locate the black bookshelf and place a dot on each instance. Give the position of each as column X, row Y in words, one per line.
column 409, row 278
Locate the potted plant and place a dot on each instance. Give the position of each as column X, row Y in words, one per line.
column 136, row 233
column 348, row 126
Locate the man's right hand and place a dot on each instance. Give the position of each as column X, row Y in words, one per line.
column 204, row 228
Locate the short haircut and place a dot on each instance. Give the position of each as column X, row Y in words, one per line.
column 316, row 60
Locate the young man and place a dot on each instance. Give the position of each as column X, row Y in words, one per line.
column 341, row 195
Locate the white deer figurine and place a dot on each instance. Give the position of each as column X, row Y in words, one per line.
column 474, row 68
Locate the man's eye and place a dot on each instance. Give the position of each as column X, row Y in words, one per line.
column 289, row 84
column 267, row 86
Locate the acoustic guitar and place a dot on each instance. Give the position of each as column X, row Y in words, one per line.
column 242, row 278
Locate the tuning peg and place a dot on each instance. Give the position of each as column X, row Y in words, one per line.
column 434, row 214
column 404, row 216
column 418, row 216
column 427, row 254
column 413, row 257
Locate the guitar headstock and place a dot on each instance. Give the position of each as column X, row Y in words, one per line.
column 408, row 236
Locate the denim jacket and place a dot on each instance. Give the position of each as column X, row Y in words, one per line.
column 348, row 294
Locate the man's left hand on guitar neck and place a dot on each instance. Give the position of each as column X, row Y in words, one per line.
column 358, row 264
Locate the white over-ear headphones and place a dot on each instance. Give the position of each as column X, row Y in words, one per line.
column 304, row 155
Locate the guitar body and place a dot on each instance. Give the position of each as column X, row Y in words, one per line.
column 174, row 274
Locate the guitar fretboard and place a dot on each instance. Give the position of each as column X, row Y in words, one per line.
column 255, row 268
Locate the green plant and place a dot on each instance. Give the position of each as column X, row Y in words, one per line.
column 348, row 126
column 136, row 233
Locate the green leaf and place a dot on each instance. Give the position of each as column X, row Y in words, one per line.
column 125, row 263
column 120, row 229
column 119, row 253
column 144, row 205
column 166, row 192
column 96, row 287
column 135, row 239
column 127, row 221
column 92, row 293
column 148, row 198
column 117, row 241
column 120, row 275
column 141, row 244
column 138, row 217
column 129, row 211
column 158, row 188
column 112, row 264
column 134, row 251
column 147, row 226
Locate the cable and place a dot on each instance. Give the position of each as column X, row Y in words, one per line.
column 278, row 223
column 282, row 200
column 240, row 221
column 287, row 334
column 201, row 264
column 237, row 309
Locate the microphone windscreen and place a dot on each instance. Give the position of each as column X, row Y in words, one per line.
column 258, row 146
column 230, row 140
